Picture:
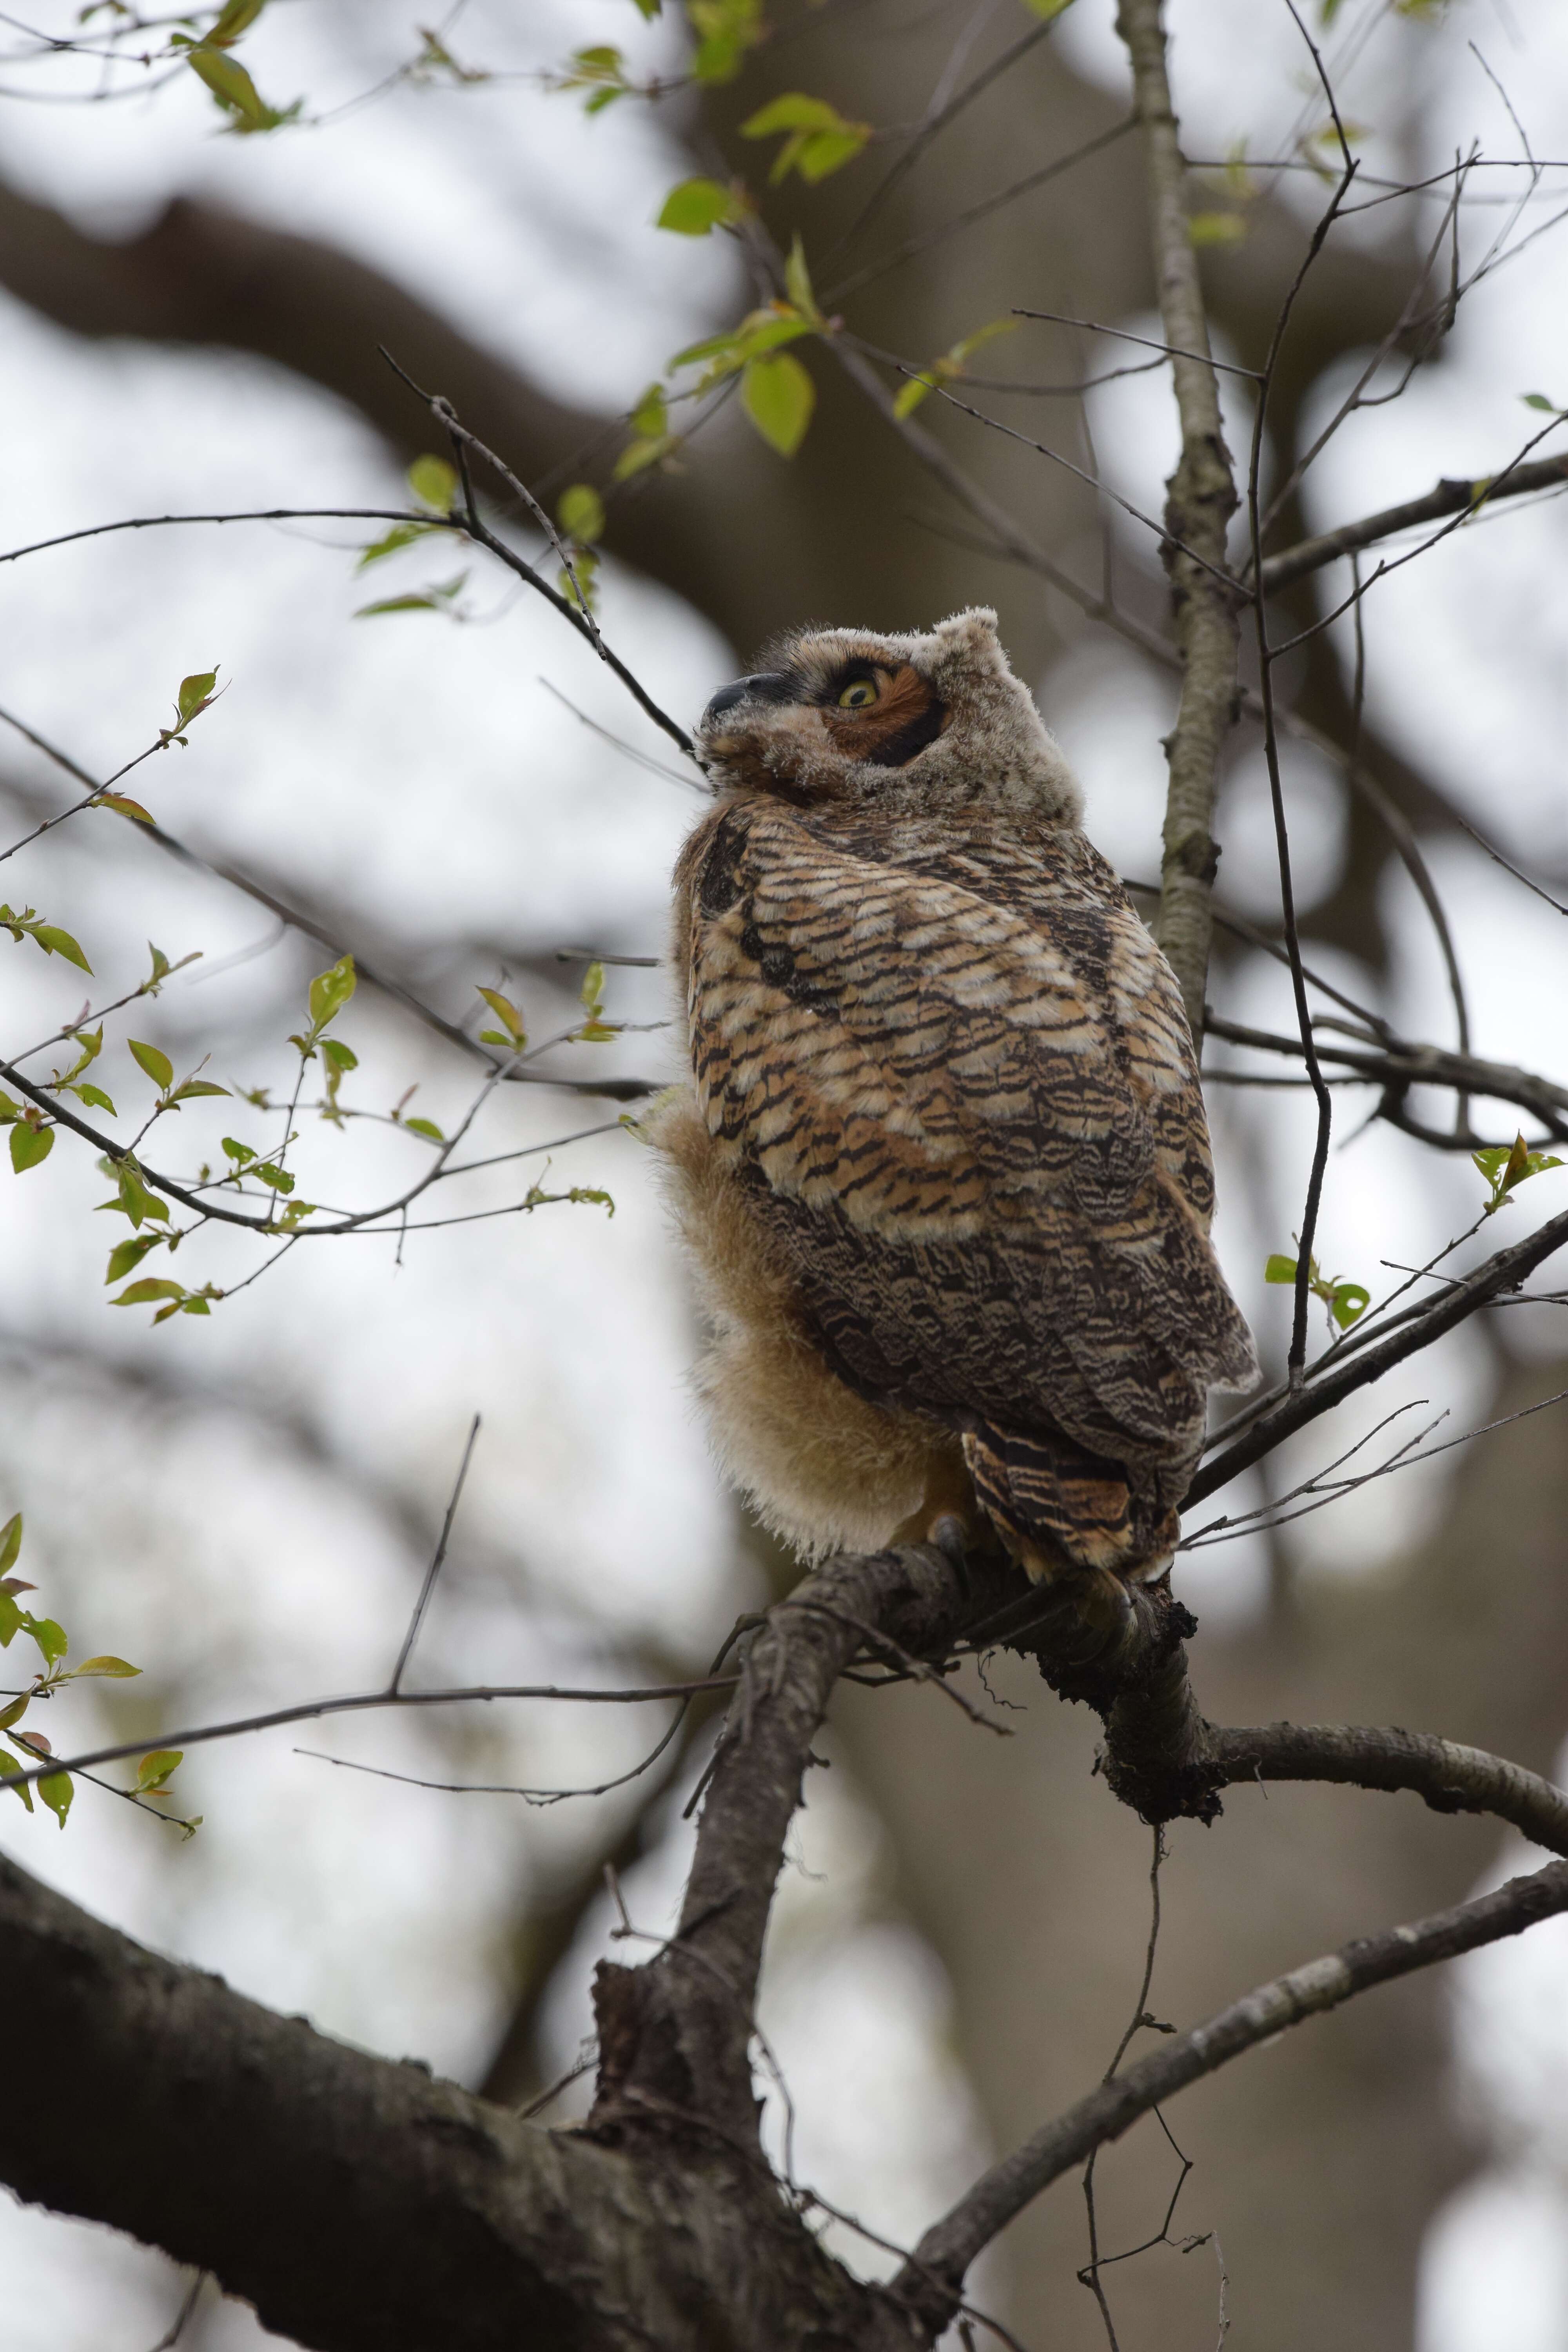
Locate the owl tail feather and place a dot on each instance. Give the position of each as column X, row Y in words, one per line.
column 1058, row 1507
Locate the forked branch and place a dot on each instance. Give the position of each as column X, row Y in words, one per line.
column 948, row 2249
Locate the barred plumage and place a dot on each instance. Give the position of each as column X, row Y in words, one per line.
column 943, row 1161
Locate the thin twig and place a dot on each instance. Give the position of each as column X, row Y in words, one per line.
column 433, row 1570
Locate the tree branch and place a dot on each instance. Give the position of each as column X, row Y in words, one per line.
column 1404, row 1066
column 1450, row 1778
column 1201, row 498
column 360, row 2205
column 1449, row 498
column 1354, row 1369
column 949, row 2247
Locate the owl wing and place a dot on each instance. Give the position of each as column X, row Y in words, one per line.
column 962, row 1087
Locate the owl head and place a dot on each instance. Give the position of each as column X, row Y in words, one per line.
column 923, row 723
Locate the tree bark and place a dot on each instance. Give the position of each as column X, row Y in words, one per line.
column 362, row 2206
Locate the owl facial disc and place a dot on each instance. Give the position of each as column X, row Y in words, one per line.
column 914, row 721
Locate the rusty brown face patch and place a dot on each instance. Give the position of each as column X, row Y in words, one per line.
column 906, row 716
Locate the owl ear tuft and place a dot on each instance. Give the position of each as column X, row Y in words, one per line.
column 972, row 632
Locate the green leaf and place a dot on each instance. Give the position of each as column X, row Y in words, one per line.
column 11, row 1619
column 507, row 1011
column 10, row 1543
column 793, row 112
column 711, row 347
column 425, row 1127
column 397, row 604
column 1349, row 1303
column 95, row 1098
column 54, row 941
column 580, row 511
column 1539, row 400
column 913, row 393
column 820, row 140
column 694, row 207
column 103, row 1665
column 401, row 535
column 1049, row 10
column 650, row 417
column 143, row 1293
column 331, row 991
column 156, row 1768
column 797, row 281
column 30, row 1145
column 23, row 1792
column 238, row 1151
column 1279, row 1269
column 126, row 806
column 591, row 994
column 234, row 89
column 57, row 1792
column 434, row 484
column 128, row 1253
column 50, row 1639
column 138, row 1202
column 196, row 693
column 235, row 16
column 638, row 455
column 778, row 396
column 1216, row 228
column 13, row 1712
column 1504, row 1169
column 727, row 29
column 158, row 1067
column 196, row 1087
column 826, row 151
column 270, row 1173
column 342, row 1056
column 9, row 1108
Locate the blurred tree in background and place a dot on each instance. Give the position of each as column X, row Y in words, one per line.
column 848, row 311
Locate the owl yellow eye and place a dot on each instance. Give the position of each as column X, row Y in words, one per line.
column 859, row 696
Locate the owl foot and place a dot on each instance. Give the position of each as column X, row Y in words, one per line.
column 947, row 1515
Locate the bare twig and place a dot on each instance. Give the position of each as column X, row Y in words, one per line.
column 1449, row 498
column 1345, row 1372
column 433, row 1570
column 368, row 1703
column 1402, row 1067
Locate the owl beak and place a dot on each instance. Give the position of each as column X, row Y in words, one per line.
column 764, row 686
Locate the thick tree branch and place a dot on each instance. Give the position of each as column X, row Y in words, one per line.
column 359, row 2205
column 675, row 2036
column 952, row 2244
column 1450, row 1778
column 1200, row 501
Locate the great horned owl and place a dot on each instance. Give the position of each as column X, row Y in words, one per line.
column 942, row 1163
